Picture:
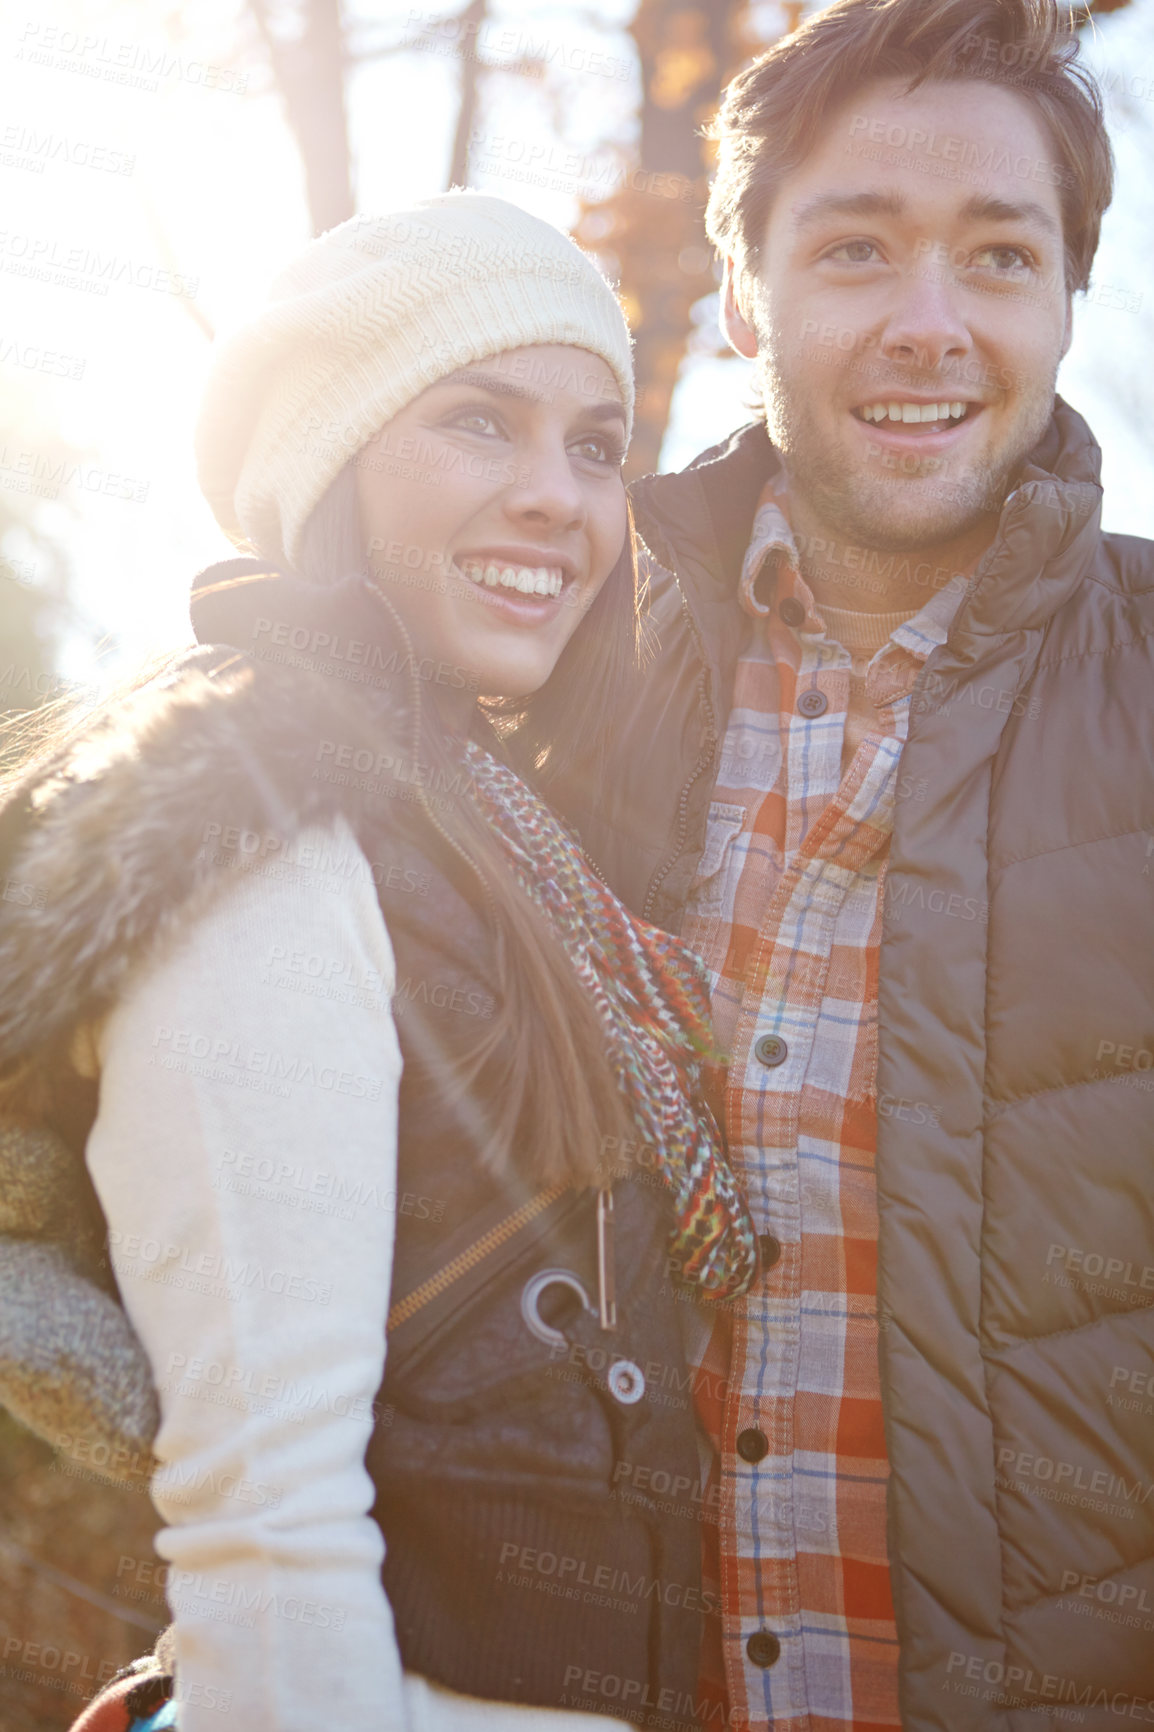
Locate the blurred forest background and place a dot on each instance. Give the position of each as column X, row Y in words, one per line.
column 158, row 164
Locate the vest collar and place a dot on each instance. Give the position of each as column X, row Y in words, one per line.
column 697, row 522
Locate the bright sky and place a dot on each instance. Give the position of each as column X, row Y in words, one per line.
column 146, row 176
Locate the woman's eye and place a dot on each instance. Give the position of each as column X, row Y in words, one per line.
column 600, row 450
column 473, row 421
column 853, row 252
column 1003, row 259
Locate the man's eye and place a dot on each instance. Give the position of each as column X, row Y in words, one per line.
column 854, row 252
column 1003, row 259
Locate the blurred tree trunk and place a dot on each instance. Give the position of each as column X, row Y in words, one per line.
column 473, row 19
column 649, row 233
column 309, row 69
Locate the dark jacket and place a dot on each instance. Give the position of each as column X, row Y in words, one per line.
column 1016, row 1274
column 524, row 1550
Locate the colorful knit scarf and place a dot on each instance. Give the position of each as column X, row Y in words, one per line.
column 652, row 997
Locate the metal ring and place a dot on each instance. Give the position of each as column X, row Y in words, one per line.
column 626, row 1382
column 531, row 1294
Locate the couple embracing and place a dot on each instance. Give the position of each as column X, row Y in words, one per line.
column 589, row 1027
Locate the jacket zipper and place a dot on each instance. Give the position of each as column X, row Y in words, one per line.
column 476, row 1253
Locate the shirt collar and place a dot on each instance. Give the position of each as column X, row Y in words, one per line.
column 771, row 574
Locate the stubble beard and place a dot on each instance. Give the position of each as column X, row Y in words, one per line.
column 890, row 512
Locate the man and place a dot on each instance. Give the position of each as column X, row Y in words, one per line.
column 889, row 771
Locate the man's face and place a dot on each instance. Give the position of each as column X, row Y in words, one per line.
column 914, row 259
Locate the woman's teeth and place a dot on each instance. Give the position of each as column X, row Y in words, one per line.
column 529, row 580
column 911, row 412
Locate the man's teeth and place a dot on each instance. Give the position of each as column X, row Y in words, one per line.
column 908, row 412
column 529, row 580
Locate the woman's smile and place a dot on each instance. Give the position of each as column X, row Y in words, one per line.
column 519, row 502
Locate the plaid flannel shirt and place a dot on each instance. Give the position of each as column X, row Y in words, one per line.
column 786, row 912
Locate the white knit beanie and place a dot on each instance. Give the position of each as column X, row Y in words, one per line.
column 369, row 316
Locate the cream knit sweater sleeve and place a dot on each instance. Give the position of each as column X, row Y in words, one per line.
column 245, row 1154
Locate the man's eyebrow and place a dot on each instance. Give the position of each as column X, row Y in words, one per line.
column 605, row 411
column 1000, row 210
column 980, row 208
column 829, row 204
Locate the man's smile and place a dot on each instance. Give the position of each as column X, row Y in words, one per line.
column 928, row 425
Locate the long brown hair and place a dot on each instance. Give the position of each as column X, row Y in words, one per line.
column 560, row 1115
column 560, row 1109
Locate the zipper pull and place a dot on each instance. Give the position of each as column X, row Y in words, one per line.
column 606, row 1265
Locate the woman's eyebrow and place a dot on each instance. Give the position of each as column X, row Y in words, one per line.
column 492, row 382
column 604, row 412
column 506, row 388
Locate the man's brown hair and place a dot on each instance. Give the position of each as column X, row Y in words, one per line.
column 773, row 111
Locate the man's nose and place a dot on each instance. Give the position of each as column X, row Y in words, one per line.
column 926, row 324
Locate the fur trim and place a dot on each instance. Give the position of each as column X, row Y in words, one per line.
column 131, row 825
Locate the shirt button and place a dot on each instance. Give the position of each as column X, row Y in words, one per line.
column 770, row 1050
column 752, row 1444
column 770, row 1249
column 792, row 611
column 812, row 704
column 763, row 1648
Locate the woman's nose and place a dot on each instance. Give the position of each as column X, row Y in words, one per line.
column 544, row 486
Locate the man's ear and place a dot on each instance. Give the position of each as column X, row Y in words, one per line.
column 1068, row 334
column 735, row 327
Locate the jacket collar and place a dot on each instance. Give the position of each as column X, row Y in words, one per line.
column 706, row 511
column 697, row 521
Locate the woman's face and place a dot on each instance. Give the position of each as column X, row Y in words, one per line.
column 493, row 510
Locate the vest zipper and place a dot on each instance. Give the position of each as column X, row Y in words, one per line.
column 476, row 1253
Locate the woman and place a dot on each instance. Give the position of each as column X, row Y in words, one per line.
column 373, row 1040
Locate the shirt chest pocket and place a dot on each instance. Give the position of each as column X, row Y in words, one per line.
column 715, row 881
